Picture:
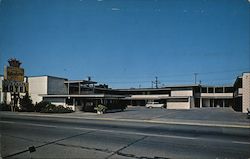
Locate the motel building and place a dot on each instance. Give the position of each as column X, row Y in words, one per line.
column 84, row 95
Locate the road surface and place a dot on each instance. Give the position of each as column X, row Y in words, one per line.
column 57, row 137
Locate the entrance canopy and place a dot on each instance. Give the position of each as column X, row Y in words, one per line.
column 82, row 96
column 80, row 81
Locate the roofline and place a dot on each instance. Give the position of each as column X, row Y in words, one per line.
column 216, row 85
column 81, row 95
column 160, row 97
column 79, row 81
column 141, row 89
column 238, row 77
column 245, row 72
column 188, row 85
column 236, row 80
column 47, row 76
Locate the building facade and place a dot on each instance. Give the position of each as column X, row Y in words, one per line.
column 86, row 94
column 242, row 93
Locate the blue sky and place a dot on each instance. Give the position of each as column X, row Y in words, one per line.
column 126, row 43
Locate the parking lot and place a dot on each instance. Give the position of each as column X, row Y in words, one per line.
column 143, row 114
column 194, row 114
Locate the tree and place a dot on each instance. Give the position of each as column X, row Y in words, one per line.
column 26, row 104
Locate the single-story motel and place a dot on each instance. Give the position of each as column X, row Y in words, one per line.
column 86, row 94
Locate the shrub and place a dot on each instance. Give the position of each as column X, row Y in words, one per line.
column 41, row 105
column 26, row 104
column 51, row 108
column 101, row 108
column 5, row 107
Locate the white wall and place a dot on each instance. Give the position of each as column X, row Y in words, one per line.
column 145, row 97
column 37, row 85
column 56, row 101
column 56, row 85
column 45, row 85
column 192, row 103
column 178, row 105
column 225, row 95
column 182, row 93
column 59, row 101
column 1, row 89
column 246, row 92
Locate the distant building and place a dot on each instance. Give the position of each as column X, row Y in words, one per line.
column 85, row 94
column 242, row 93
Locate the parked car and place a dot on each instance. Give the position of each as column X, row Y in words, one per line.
column 154, row 105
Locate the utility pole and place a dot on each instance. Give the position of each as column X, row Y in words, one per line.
column 195, row 77
column 156, row 82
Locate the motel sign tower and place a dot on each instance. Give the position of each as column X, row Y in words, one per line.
column 14, row 82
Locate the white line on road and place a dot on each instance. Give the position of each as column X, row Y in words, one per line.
column 41, row 125
column 147, row 134
column 9, row 122
column 241, row 142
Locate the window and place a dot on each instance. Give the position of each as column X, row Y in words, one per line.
column 219, row 90
column 210, row 90
column 178, row 100
column 21, row 89
column 197, row 90
column 204, row 90
column 11, row 88
column 69, row 101
column 229, row 90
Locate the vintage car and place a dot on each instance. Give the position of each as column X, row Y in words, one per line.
column 154, row 105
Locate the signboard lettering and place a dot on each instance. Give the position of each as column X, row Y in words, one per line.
column 14, row 87
column 15, row 74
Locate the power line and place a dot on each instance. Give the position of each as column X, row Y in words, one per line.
column 174, row 78
column 178, row 75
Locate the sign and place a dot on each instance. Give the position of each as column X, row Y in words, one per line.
column 14, row 81
column 14, row 74
column 14, row 87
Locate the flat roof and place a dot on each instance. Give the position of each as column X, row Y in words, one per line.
column 81, row 95
column 80, row 81
column 160, row 97
column 216, row 86
column 182, row 85
column 141, row 89
column 47, row 76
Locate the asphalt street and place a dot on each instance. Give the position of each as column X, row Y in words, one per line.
column 56, row 137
